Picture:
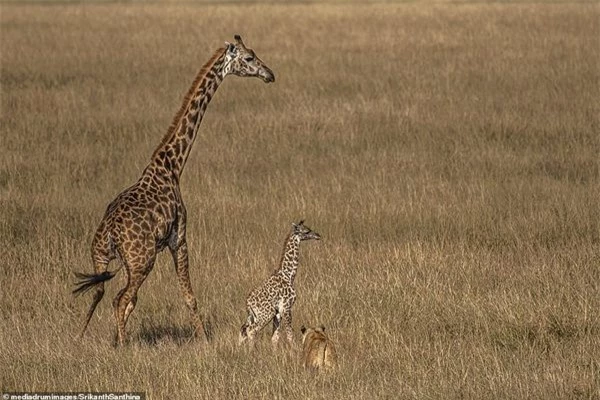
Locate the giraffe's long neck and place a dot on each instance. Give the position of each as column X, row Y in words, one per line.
column 172, row 154
column 290, row 258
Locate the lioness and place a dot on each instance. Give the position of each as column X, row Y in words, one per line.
column 318, row 350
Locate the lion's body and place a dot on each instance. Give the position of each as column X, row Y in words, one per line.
column 318, row 350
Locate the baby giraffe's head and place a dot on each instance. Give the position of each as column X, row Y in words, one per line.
column 304, row 232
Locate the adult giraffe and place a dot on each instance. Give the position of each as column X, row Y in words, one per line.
column 149, row 216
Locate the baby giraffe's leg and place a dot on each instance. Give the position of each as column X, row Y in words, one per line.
column 254, row 323
column 287, row 321
column 244, row 329
column 276, row 328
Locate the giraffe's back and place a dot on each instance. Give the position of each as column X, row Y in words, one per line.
column 142, row 215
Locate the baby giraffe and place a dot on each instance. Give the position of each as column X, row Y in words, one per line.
column 273, row 300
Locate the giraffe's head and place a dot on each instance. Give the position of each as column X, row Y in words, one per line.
column 304, row 232
column 242, row 61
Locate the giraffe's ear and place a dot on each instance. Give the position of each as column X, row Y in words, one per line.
column 238, row 40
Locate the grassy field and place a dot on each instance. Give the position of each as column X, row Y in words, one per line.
column 447, row 153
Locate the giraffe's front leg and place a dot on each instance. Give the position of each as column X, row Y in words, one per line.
column 180, row 257
column 287, row 321
column 287, row 316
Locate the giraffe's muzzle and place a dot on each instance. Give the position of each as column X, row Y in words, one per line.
column 314, row 235
column 267, row 75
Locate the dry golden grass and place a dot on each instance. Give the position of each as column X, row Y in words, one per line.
column 447, row 153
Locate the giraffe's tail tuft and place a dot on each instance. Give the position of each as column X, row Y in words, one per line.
column 88, row 281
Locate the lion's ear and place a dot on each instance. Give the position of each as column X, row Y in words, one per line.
column 303, row 329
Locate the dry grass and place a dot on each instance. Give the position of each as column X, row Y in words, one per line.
column 448, row 154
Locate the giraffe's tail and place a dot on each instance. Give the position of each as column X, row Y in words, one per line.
column 88, row 281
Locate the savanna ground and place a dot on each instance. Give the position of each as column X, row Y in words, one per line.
column 447, row 153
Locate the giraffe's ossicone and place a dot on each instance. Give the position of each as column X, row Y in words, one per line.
column 150, row 216
column 273, row 300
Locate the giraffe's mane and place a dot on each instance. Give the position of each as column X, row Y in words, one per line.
column 188, row 97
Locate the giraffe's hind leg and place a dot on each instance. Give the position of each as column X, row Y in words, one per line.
column 257, row 320
column 130, row 307
column 132, row 302
column 124, row 304
column 180, row 258
column 125, row 301
column 252, row 325
column 244, row 329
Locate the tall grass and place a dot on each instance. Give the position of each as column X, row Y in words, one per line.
column 447, row 153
